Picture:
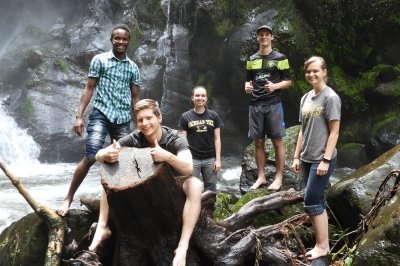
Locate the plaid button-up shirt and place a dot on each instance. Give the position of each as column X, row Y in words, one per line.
column 114, row 79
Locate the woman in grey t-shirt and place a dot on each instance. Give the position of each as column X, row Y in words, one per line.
column 315, row 154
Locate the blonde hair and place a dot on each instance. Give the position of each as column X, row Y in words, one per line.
column 148, row 104
column 322, row 63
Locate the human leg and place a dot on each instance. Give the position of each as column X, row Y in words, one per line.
column 279, row 162
column 193, row 189
column 259, row 154
column 320, row 225
column 315, row 206
column 275, row 130
column 209, row 175
column 97, row 131
column 102, row 230
column 80, row 173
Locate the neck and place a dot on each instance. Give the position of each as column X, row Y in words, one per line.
column 319, row 87
column 118, row 55
column 155, row 136
column 265, row 50
column 199, row 109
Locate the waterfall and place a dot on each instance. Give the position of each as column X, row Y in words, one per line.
column 17, row 147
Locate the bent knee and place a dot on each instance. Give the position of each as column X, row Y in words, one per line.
column 193, row 184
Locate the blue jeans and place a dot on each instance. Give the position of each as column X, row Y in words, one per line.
column 314, row 197
column 98, row 128
column 206, row 168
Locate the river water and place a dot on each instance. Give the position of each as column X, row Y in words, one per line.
column 48, row 183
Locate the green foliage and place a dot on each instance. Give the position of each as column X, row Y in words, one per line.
column 223, row 28
column 63, row 65
column 28, row 106
column 222, row 206
column 351, row 90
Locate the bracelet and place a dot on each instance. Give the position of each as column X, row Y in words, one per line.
column 78, row 116
column 326, row 160
column 296, row 158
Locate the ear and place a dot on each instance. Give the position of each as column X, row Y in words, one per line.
column 160, row 119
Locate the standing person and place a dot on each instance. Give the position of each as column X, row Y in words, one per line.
column 202, row 127
column 315, row 153
column 267, row 74
column 166, row 146
column 116, row 80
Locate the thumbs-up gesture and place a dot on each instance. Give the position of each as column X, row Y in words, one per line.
column 159, row 154
column 248, row 87
column 112, row 152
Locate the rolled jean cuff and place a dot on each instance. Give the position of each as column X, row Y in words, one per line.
column 313, row 210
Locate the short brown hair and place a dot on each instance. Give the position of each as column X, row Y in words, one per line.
column 148, row 104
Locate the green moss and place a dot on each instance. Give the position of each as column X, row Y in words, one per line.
column 28, row 106
column 223, row 28
column 386, row 121
column 63, row 65
column 222, row 206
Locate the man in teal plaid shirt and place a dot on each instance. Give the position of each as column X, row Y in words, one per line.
column 116, row 80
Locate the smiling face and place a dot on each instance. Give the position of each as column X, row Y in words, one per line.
column 120, row 41
column 199, row 97
column 315, row 74
column 264, row 37
column 148, row 123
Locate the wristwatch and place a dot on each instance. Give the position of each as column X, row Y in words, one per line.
column 326, row 160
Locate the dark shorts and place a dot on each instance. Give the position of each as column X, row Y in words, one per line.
column 97, row 130
column 266, row 120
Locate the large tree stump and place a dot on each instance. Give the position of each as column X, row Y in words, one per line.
column 146, row 207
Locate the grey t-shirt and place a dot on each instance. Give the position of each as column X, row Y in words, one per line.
column 315, row 114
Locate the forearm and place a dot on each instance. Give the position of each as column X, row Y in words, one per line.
column 284, row 84
column 330, row 145
column 182, row 162
column 217, row 144
column 297, row 151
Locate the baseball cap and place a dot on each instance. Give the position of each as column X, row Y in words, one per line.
column 264, row 27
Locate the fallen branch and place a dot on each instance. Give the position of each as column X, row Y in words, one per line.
column 53, row 221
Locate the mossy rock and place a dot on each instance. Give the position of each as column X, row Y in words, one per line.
column 24, row 242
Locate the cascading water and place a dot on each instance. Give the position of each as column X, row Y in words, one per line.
column 47, row 183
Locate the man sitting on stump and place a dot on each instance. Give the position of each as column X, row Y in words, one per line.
column 166, row 146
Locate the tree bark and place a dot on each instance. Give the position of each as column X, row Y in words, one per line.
column 53, row 221
column 146, row 205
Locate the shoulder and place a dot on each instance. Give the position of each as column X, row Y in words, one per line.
column 102, row 57
column 277, row 55
column 131, row 63
column 254, row 56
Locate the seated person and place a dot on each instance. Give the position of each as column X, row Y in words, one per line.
column 166, row 146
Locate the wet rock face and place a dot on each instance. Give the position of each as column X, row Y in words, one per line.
column 352, row 197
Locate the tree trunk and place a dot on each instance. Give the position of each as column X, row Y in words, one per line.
column 53, row 221
column 146, row 207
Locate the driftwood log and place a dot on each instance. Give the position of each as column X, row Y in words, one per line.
column 146, row 204
column 53, row 221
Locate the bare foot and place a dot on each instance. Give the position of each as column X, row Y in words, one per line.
column 102, row 233
column 258, row 184
column 63, row 211
column 276, row 185
column 180, row 257
column 316, row 253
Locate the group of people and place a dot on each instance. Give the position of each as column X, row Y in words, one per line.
column 197, row 150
